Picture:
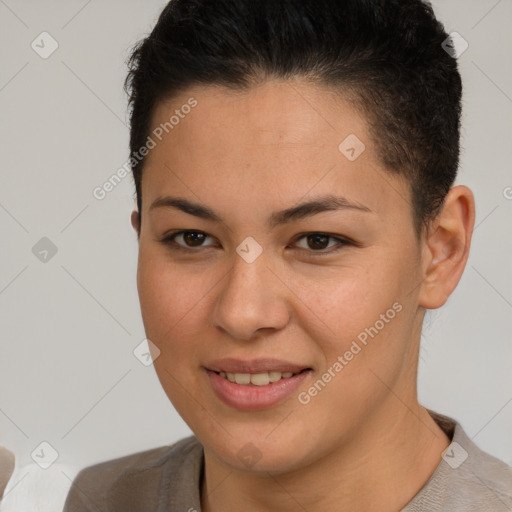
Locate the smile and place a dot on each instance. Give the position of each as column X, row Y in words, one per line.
column 251, row 388
column 256, row 379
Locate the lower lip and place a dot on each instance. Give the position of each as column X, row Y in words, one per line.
column 254, row 398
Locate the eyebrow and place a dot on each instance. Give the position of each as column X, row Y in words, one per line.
column 301, row 211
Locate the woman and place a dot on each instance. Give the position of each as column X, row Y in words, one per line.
column 294, row 165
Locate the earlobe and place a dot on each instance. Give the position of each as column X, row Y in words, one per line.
column 447, row 247
column 135, row 220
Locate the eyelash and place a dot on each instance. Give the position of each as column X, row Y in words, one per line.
column 169, row 241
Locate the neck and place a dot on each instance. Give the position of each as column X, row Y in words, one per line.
column 382, row 468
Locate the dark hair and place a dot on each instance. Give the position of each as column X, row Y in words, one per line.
column 387, row 54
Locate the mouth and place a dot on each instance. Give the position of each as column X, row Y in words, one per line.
column 255, row 385
column 258, row 379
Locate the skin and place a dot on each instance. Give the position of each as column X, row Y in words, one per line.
column 364, row 442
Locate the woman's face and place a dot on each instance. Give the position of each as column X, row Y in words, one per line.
column 329, row 292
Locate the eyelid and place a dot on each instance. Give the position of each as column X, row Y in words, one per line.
column 342, row 242
column 169, row 240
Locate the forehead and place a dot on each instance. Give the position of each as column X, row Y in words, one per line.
column 280, row 140
column 289, row 115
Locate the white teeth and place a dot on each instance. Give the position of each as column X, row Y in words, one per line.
column 257, row 379
column 242, row 378
column 260, row 379
column 274, row 376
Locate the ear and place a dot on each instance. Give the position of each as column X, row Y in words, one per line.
column 446, row 247
column 136, row 222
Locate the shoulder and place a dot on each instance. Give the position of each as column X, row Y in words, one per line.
column 483, row 481
column 467, row 478
column 137, row 480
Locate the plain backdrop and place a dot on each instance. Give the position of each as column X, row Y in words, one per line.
column 69, row 324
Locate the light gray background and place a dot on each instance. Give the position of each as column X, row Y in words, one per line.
column 68, row 326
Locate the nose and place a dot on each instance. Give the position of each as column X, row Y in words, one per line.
column 252, row 300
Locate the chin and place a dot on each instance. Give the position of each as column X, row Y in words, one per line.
column 258, row 452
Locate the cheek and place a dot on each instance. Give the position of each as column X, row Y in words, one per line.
column 173, row 303
column 171, row 297
column 365, row 313
column 348, row 299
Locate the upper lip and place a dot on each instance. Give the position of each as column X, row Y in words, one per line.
column 254, row 366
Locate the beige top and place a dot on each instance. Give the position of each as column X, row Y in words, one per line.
column 168, row 479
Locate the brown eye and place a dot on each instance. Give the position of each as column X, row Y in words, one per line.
column 319, row 242
column 186, row 240
column 193, row 238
